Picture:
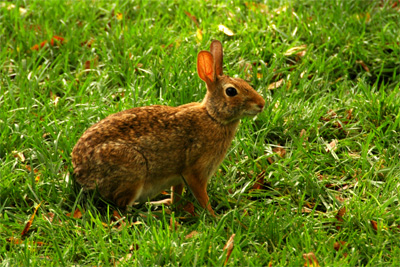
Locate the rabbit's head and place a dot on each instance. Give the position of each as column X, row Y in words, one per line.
column 227, row 99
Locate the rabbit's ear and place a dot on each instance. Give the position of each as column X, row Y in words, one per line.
column 205, row 67
column 216, row 51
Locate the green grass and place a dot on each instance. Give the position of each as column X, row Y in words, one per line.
column 344, row 88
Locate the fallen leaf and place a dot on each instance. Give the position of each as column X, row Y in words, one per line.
column 123, row 260
column 311, row 260
column 49, row 217
column 15, row 241
column 116, row 215
column 280, row 151
column 259, row 184
column 275, row 85
column 189, row 207
column 374, row 225
column 339, row 245
column 88, row 43
column 119, row 16
column 117, row 219
column 193, row 18
column 349, row 114
column 191, row 234
column 365, row 67
column 229, row 247
column 263, row 8
column 173, row 225
column 134, row 247
column 55, row 98
column 35, row 47
column 299, row 50
column 306, row 210
column 19, row 155
column 29, row 168
column 29, row 223
column 199, row 34
column 340, row 199
column 58, row 38
column 9, row 6
column 225, row 30
column 91, row 64
column 281, row 9
column 339, row 217
column 332, row 146
column 354, row 155
column 77, row 214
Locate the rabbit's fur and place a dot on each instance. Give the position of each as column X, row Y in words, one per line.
column 133, row 155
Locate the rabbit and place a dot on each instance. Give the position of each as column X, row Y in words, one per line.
column 132, row 155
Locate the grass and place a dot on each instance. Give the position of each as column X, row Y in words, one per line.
column 117, row 55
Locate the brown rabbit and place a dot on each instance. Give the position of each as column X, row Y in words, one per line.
column 133, row 155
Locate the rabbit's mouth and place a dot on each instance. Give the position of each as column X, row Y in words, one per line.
column 255, row 109
column 251, row 113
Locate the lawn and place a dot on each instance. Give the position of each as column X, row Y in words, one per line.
column 315, row 176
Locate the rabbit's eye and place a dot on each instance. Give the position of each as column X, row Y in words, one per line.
column 230, row 91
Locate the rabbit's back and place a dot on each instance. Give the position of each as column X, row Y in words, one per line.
column 150, row 145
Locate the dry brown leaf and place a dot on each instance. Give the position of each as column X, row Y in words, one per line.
column 192, row 234
column 332, row 146
column 189, row 207
column 306, row 210
column 59, row 39
column 340, row 199
column 15, row 241
column 29, row 168
column 374, row 225
column 49, row 217
column 259, row 184
column 54, row 98
column 19, row 155
column 339, row 217
column 339, row 245
column 91, row 64
column 225, row 30
column 256, row 6
column 280, row 151
column 311, row 260
column 123, row 260
column 354, row 155
column 117, row 219
column 173, row 225
column 298, row 50
column 77, row 214
column 29, row 223
column 275, row 85
column 365, row 67
column 88, row 43
column 229, row 247
column 193, row 18
column 349, row 114
column 133, row 247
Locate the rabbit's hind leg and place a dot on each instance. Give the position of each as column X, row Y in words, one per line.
column 122, row 170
